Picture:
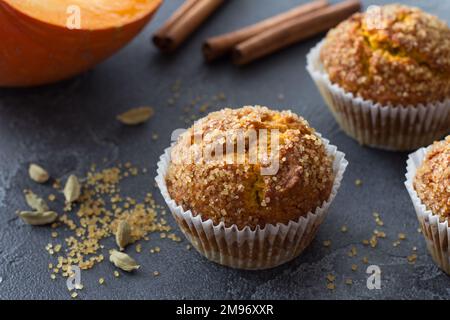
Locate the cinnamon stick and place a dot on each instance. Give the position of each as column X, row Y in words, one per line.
column 181, row 11
column 183, row 23
column 293, row 31
column 218, row 46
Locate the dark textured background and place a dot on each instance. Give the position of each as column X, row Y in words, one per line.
column 69, row 125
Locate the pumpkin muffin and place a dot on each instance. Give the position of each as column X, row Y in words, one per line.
column 238, row 194
column 428, row 184
column 385, row 74
column 432, row 180
column 243, row 208
column 395, row 55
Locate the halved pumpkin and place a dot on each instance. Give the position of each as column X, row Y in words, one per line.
column 43, row 41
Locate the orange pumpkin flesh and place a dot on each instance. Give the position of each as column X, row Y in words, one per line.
column 37, row 47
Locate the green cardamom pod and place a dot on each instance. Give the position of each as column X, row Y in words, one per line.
column 136, row 116
column 37, row 218
column 123, row 234
column 72, row 190
column 123, row 261
column 35, row 202
column 38, row 174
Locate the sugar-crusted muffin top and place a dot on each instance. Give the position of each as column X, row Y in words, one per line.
column 241, row 193
column 392, row 54
column 432, row 180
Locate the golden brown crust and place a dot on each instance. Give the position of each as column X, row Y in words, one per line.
column 432, row 180
column 238, row 193
column 395, row 55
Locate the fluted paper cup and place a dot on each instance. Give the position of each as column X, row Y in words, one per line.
column 396, row 128
column 436, row 233
column 261, row 248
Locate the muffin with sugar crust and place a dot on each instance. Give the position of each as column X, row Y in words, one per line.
column 428, row 183
column 216, row 200
column 432, row 180
column 239, row 194
column 385, row 74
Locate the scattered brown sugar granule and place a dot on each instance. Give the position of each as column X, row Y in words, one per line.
column 327, row 243
column 96, row 216
column 432, row 180
column 358, row 182
column 400, row 55
column 353, row 252
column 238, row 193
column 330, row 281
column 79, row 286
column 378, row 220
column 373, row 241
column 331, row 277
column 56, row 184
column 412, row 258
column 379, row 234
column 138, row 248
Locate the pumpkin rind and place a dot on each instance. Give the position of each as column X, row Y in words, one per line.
column 35, row 52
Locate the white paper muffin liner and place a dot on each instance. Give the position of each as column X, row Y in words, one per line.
column 396, row 128
column 261, row 248
column 436, row 233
